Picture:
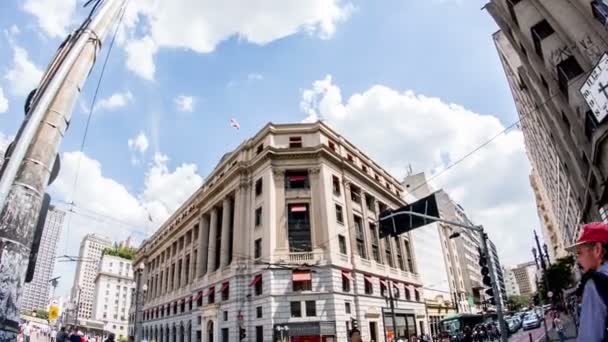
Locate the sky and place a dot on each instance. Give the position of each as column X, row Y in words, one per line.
column 425, row 74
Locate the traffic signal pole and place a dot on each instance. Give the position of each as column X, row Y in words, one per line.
column 26, row 174
column 485, row 250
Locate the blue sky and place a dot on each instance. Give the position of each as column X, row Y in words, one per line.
column 429, row 67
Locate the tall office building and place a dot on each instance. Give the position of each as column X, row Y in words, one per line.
column 112, row 298
column 510, row 282
column 525, row 275
column 282, row 240
column 36, row 293
column 551, row 231
column 89, row 258
column 498, row 273
column 548, row 48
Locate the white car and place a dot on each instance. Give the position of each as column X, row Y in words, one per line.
column 531, row 321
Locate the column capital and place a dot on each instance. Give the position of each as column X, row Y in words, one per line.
column 314, row 171
column 346, row 184
column 244, row 183
column 278, row 174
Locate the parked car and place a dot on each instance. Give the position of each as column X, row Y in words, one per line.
column 512, row 325
column 531, row 321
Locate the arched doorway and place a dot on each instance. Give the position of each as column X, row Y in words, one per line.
column 161, row 337
column 167, row 334
column 210, row 331
column 189, row 332
column 181, row 332
column 174, row 333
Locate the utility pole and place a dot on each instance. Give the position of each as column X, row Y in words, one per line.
column 25, row 176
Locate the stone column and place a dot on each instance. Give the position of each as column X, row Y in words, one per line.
column 211, row 241
column 225, row 231
column 318, row 215
column 281, row 209
column 185, row 262
column 239, row 240
column 203, row 246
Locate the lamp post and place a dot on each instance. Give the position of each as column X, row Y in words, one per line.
column 282, row 329
column 139, row 290
column 408, row 212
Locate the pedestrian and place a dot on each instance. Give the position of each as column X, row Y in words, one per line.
column 74, row 336
column 111, row 338
column 27, row 331
column 53, row 335
column 592, row 254
column 61, row 335
column 559, row 327
column 468, row 334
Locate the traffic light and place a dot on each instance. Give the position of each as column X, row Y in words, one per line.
column 486, row 279
column 242, row 334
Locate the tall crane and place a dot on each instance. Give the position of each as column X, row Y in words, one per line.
column 25, row 176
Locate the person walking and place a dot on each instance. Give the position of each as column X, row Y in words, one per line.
column 53, row 335
column 559, row 326
column 111, row 338
column 591, row 254
column 62, row 336
column 27, row 331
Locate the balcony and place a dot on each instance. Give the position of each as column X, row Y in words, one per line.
column 311, row 257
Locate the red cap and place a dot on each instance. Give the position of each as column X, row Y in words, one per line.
column 592, row 232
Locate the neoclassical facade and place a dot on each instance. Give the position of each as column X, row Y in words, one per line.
column 281, row 244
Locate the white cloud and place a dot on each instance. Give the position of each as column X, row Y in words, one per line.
column 185, row 103
column 492, row 185
column 255, row 77
column 3, row 102
column 200, row 25
column 114, row 101
column 23, row 75
column 54, row 16
column 107, row 207
column 13, row 30
column 139, row 143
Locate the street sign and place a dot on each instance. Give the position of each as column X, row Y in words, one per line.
column 53, row 312
column 595, row 89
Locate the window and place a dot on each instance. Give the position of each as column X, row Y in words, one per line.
column 296, row 180
column 258, row 216
column 417, row 295
column 408, row 296
column 364, row 168
column 408, row 256
column 369, row 288
column 511, row 5
column 375, row 244
column 225, row 291
column 370, row 203
column 345, row 282
column 600, row 11
column 225, row 315
column 295, row 142
column 259, row 333
column 258, row 312
column 339, row 214
column 259, row 286
column 311, row 308
column 383, row 288
column 332, row 145
column 225, row 334
column 389, row 253
column 296, row 309
column 259, row 149
column 301, row 281
column 396, row 293
column 347, row 307
column 360, row 237
column 342, row 243
column 211, row 296
column 298, row 228
column 258, row 187
column 566, row 71
column 257, row 248
column 355, row 194
column 335, row 181
column 539, row 32
column 400, row 263
column 350, row 158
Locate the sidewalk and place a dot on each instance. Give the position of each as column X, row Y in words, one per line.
column 569, row 329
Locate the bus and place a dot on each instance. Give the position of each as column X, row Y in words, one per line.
column 452, row 326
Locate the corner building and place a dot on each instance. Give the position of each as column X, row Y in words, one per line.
column 281, row 244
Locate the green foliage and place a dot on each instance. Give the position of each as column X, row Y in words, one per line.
column 122, row 338
column 121, row 252
column 515, row 303
column 42, row 314
column 559, row 276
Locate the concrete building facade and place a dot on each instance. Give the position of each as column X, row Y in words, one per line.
column 552, row 234
column 548, row 48
column 499, row 275
column 112, row 298
column 83, row 289
column 525, row 276
column 510, row 283
column 281, row 243
column 36, row 294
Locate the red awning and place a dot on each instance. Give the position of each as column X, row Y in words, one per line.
column 383, row 282
column 368, row 278
column 301, row 276
column 198, row 296
column 224, row 286
column 255, row 279
column 348, row 275
column 297, row 178
column 298, row 208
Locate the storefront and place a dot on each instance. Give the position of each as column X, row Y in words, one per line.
column 406, row 325
column 305, row 332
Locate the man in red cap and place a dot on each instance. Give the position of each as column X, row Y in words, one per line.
column 592, row 254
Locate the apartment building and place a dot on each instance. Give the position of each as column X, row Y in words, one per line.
column 510, row 283
column 281, row 243
column 112, row 297
column 83, row 290
column 548, row 48
column 526, row 275
column 36, row 294
column 552, row 234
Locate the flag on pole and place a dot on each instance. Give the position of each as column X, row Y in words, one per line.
column 234, row 123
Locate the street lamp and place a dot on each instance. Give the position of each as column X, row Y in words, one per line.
column 282, row 329
column 423, row 212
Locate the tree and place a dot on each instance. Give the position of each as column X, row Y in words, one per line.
column 559, row 276
column 517, row 302
column 42, row 314
column 121, row 252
